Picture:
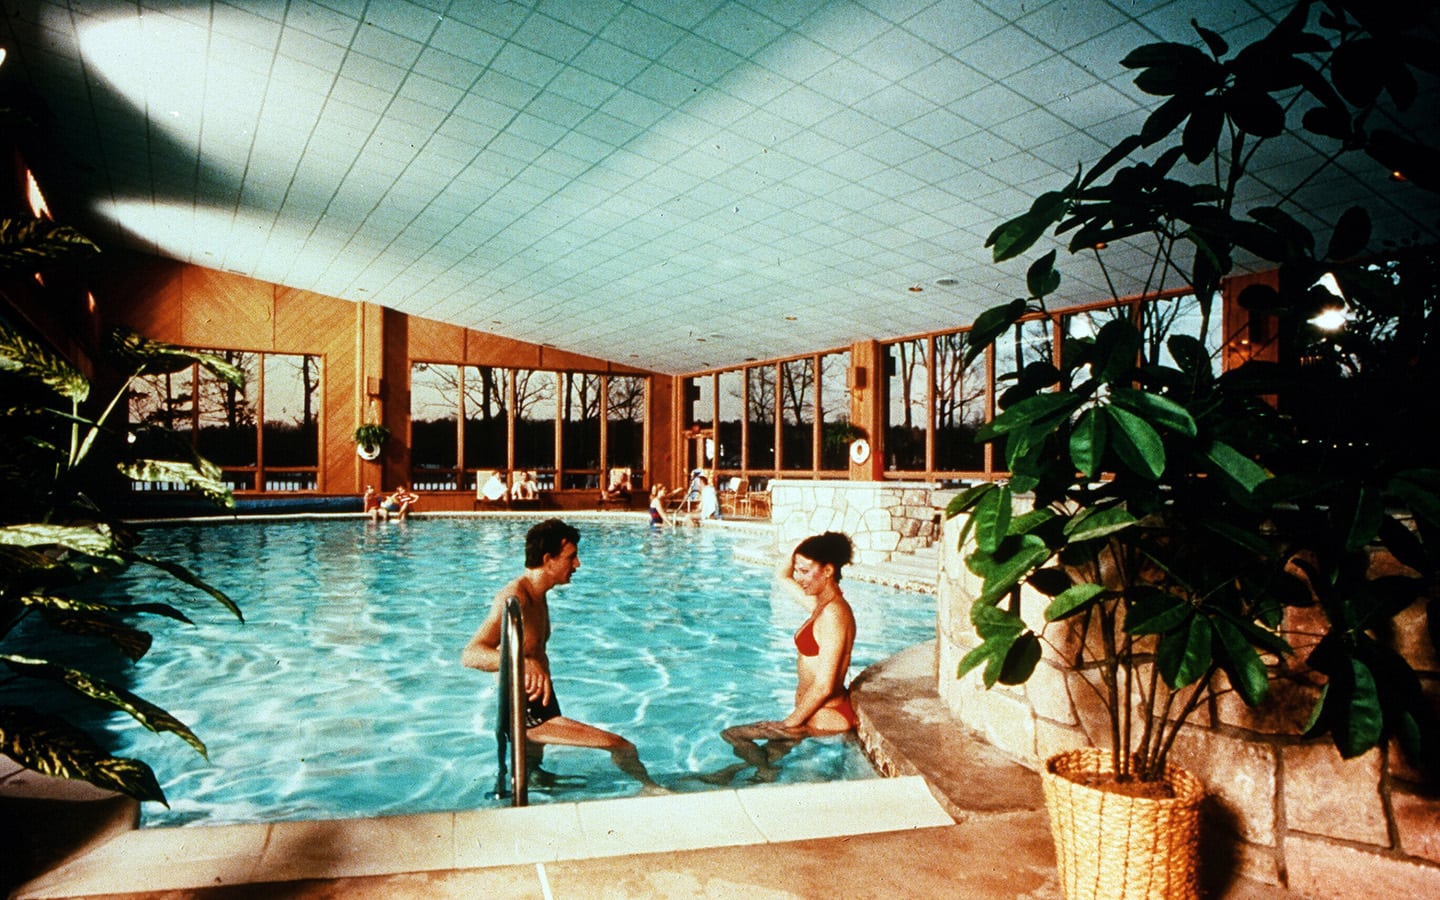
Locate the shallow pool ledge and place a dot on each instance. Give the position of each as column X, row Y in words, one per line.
column 158, row 859
column 906, row 729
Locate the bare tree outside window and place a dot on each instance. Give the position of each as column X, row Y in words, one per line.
column 760, row 414
column 906, row 413
column 797, row 410
column 959, row 405
column 487, row 419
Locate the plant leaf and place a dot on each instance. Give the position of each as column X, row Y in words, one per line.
column 51, row 746
column 1098, row 522
column 1087, row 442
column 1236, row 466
column 1155, row 409
column 35, row 244
column 1041, row 278
column 25, row 357
column 992, row 519
column 1136, row 443
column 991, row 324
column 1184, row 655
column 87, row 685
column 1072, row 600
column 1238, row 658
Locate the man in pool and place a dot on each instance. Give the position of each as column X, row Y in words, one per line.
column 551, row 557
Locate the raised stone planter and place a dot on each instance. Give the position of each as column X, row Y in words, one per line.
column 1286, row 810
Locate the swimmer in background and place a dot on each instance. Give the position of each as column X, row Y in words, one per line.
column 371, row 503
column 811, row 574
column 551, row 558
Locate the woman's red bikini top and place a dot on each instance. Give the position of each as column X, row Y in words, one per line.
column 805, row 640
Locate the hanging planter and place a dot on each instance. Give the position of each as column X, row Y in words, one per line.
column 368, row 440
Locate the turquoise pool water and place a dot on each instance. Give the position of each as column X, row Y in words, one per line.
column 342, row 694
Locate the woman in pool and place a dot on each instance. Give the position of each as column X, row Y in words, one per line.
column 822, row 659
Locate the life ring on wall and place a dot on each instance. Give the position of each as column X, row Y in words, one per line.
column 859, row 451
column 367, row 452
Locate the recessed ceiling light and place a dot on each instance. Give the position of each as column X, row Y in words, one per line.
column 790, row 318
column 915, row 289
column 947, row 281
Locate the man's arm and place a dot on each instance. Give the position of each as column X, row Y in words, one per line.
column 483, row 651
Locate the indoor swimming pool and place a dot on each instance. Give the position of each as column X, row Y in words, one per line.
column 342, row 695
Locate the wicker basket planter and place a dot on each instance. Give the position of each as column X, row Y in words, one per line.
column 1111, row 846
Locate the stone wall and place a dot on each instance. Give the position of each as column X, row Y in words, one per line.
column 883, row 518
column 1281, row 809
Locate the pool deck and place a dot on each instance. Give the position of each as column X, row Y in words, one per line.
column 958, row 820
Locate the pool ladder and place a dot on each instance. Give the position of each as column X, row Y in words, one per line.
column 510, row 723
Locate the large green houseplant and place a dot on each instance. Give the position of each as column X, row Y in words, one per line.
column 1174, row 516
column 64, row 455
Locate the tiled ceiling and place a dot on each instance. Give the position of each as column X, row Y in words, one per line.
column 673, row 184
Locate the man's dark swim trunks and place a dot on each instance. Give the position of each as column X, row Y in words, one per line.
column 537, row 713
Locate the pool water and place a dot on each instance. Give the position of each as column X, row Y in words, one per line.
column 342, row 694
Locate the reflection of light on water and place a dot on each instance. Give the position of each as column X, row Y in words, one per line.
column 355, row 702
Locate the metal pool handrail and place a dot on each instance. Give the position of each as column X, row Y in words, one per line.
column 510, row 723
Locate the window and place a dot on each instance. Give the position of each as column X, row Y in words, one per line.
column 729, row 427
column 290, row 438
column 487, row 419
column 760, row 417
column 536, row 405
column 907, row 406
column 834, row 401
column 625, row 423
column 434, row 426
column 1180, row 315
column 797, row 414
column 224, row 423
column 959, row 405
column 580, row 440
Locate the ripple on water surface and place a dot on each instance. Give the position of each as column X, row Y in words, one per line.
column 342, row 694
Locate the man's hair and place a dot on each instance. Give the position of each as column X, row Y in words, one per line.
column 547, row 537
column 832, row 547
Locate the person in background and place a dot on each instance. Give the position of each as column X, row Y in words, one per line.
column 709, row 500
column 399, row 503
column 823, row 643
column 526, row 487
column 551, row 558
column 371, row 503
column 657, row 506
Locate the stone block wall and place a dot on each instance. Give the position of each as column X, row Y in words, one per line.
column 883, row 518
column 1280, row 809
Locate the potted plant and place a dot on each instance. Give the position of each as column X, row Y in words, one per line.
column 1167, row 516
column 369, row 438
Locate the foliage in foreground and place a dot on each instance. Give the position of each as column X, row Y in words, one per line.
column 1179, row 520
column 57, row 543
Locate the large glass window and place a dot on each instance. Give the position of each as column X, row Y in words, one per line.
column 729, row 427
column 536, row 404
column 291, row 437
column 1024, row 344
column 797, row 414
column 959, row 405
column 625, row 423
column 224, row 423
column 760, row 417
column 1159, row 319
column 487, row 422
column 434, row 426
column 834, row 402
column 580, row 440
column 907, row 406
